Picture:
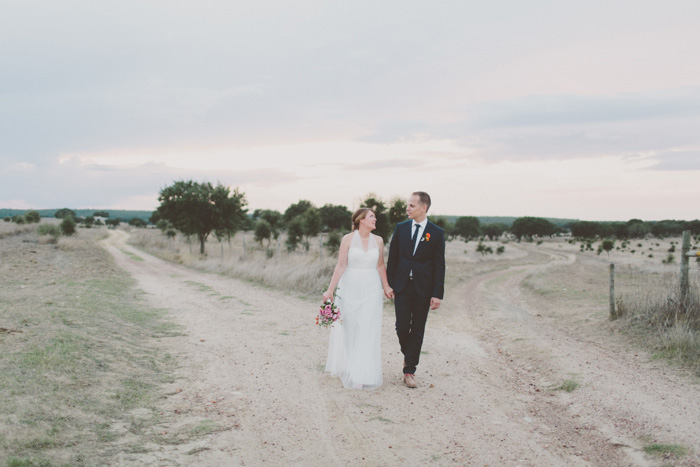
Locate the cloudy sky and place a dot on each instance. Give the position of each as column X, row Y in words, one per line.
column 588, row 110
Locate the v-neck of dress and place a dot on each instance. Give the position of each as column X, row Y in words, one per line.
column 362, row 245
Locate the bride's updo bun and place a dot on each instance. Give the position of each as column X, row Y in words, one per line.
column 358, row 216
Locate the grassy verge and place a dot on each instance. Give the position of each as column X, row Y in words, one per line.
column 652, row 310
column 81, row 367
column 300, row 271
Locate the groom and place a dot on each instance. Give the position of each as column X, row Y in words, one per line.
column 416, row 272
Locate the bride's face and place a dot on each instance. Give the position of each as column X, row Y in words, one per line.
column 369, row 221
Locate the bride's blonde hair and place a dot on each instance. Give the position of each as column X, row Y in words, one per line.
column 358, row 216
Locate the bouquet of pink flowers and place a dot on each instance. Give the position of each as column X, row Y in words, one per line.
column 328, row 314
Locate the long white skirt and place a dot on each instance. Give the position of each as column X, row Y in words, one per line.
column 354, row 347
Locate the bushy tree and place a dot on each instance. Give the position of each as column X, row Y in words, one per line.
column 68, row 226
column 113, row 223
column 199, row 209
column 17, row 219
column 100, row 214
column 274, row 218
column 493, row 230
column 532, row 227
column 296, row 210
column 137, row 222
column 607, row 245
column 295, row 233
column 373, row 202
column 32, row 217
column 263, row 231
column 64, row 212
column 637, row 228
column 397, row 212
column 311, row 224
column 335, row 217
column 467, row 227
column 333, row 242
column 585, row 229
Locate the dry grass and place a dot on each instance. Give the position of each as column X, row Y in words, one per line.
column 8, row 229
column 300, row 271
column 81, row 367
column 650, row 304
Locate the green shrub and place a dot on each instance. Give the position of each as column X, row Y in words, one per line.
column 32, row 217
column 68, row 226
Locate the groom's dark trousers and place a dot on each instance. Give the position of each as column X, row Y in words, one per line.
column 415, row 278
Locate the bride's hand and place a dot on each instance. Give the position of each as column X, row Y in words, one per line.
column 388, row 292
column 327, row 295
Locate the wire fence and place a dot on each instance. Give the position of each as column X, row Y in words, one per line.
column 655, row 295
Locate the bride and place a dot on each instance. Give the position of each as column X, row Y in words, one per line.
column 354, row 348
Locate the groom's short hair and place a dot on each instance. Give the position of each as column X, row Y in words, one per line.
column 423, row 198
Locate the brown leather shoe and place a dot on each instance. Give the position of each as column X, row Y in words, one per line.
column 410, row 380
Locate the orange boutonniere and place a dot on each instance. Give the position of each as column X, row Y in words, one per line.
column 427, row 237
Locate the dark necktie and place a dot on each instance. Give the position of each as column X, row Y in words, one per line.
column 415, row 237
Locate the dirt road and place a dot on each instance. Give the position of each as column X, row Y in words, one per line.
column 253, row 369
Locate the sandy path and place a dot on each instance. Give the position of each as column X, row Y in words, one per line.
column 253, row 363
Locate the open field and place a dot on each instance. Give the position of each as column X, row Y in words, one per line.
column 521, row 366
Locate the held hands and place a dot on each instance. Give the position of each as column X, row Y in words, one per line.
column 327, row 295
column 434, row 303
column 388, row 292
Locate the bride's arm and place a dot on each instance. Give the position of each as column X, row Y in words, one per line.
column 339, row 268
column 381, row 268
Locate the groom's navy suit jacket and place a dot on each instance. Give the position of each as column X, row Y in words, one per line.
column 428, row 264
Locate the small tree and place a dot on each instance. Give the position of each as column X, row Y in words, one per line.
column 113, row 223
column 263, row 231
column 373, row 202
column 311, row 225
column 200, row 209
column 607, row 245
column 334, row 217
column 494, row 230
column 32, row 217
column 397, row 212
column 295, row 232
column 68, row 226
column 530, row 227
column 137, row 222
column 467, row 227
column 333, row 242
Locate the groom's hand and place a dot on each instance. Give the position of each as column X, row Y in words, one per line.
column 434, row 303
column 388, row 292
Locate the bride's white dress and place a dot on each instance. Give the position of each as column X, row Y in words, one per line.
column 354, row 348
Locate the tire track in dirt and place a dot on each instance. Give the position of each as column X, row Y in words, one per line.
column 622, row 403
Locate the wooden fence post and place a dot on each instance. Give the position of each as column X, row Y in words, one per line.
column 613, row 314
column 685, row 264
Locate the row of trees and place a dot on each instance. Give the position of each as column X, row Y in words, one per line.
column 633, row 228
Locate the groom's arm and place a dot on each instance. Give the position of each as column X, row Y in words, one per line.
column 393, row 261
column 439, row 268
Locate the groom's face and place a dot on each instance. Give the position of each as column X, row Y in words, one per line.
column 415, row 209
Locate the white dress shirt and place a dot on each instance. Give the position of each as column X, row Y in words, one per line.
column 421, row 229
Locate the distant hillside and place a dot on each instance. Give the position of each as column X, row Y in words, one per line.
column 508, row 220
column 113, row 213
